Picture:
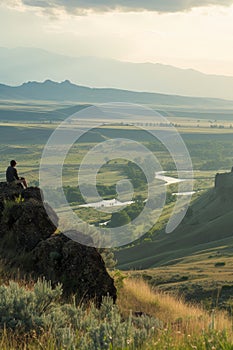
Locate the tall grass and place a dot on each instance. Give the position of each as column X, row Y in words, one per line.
column 181, row 319
column 35, row 317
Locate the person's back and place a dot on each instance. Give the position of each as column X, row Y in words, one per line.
column 11, row 174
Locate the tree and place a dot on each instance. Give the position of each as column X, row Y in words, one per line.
column 119, row 219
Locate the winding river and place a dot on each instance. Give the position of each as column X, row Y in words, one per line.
column 115, row 203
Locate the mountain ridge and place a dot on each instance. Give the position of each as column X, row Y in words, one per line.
column 68, row 91
column 25, row 64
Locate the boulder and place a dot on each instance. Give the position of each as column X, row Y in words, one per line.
column 32, row 193
column 8, row 193
column 80, row 268
column 29, row 223
column 30, row 244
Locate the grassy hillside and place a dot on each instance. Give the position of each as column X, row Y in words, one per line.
column 142, row 319
column 194, row 261
column 207, row 225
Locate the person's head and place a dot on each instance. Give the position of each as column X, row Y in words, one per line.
column 13, row 163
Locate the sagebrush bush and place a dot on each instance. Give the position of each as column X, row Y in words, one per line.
column 24, row 310
column 35, row 318
column 108, row 331
column 72, row 327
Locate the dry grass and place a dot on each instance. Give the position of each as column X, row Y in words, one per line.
column 177, row 315
column 185, row 327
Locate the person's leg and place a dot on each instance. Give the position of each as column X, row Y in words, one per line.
column 24, row 182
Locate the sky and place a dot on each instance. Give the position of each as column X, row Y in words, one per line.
column 184, row 33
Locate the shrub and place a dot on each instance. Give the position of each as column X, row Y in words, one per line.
column 219, row 264
column 24, row 309
column 8, row 204
column 69, row 326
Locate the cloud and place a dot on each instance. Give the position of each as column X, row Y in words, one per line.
column 80, row 6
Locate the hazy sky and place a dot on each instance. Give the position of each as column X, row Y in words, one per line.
column 187, row 33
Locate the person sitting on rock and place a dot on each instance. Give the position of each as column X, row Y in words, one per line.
column 12, row 175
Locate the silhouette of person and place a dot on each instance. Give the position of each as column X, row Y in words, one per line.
column 12, row 175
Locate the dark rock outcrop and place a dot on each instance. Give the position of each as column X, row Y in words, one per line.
column 80, row 268
column 224, row 181
column 29, row 244
column 24, row 218
column 29, row 223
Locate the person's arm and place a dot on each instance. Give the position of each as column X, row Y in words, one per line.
column 16, row 174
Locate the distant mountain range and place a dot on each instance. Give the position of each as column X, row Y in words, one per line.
column 66, row 91
column 76, row 97
column 29, row 64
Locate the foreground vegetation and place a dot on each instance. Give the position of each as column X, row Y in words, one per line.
column 35, row 317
